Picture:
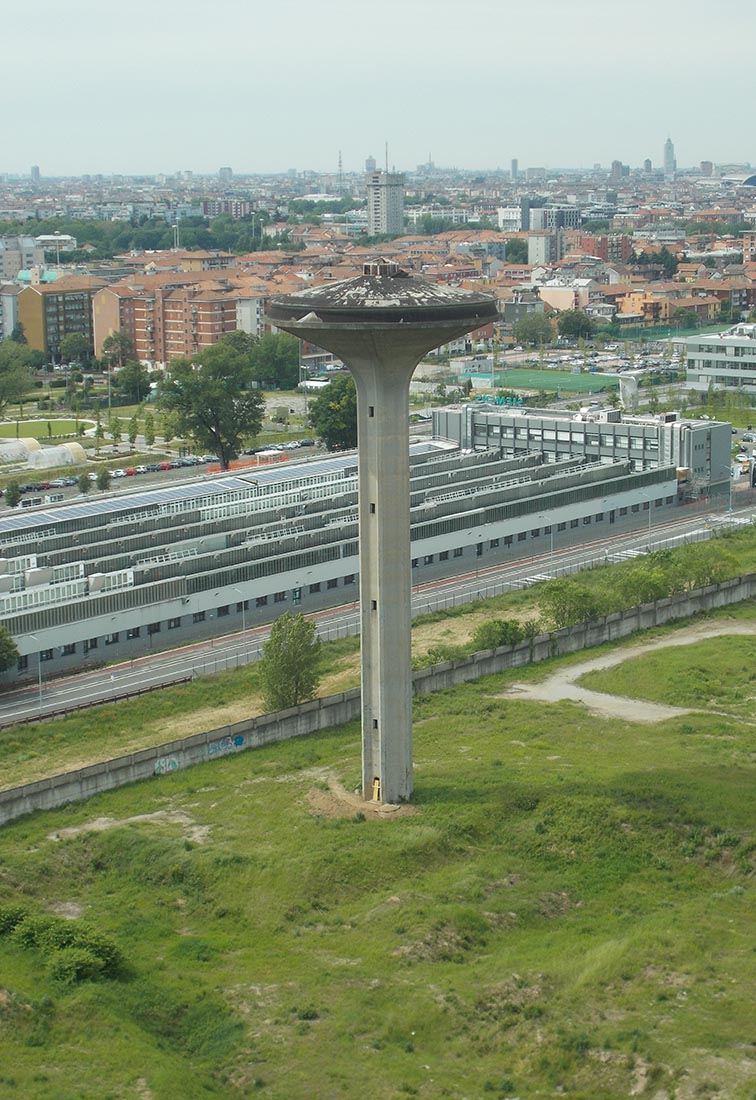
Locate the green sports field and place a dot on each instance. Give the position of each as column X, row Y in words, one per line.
column 553, row 380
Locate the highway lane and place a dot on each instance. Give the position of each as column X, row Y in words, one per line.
column 233, row 650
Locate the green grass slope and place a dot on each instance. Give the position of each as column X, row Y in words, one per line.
column 569, row 912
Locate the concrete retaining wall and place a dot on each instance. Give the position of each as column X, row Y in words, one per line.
column 335, row 710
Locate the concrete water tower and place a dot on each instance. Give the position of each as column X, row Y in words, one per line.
column 380, row 325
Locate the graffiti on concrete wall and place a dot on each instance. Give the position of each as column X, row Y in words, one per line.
column 165, row 764
column 225, row 745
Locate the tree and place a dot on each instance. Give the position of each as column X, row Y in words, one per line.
column 115, row 428
column 18, row 335
column 133, row 431
column 497, row 632
column 289, row 669
column 517, row 251
column 533, row 329
column 275, row 358
column 573, row 322
column 333, row 413
column 12, row 494
column 567, row 602
column 117, row 350
column 99, row 432
column 8, row 650
column 75, row 348
column 131, row 383
column 149, row 429
column 684, row 318
column 15, row 376
column 103, row 479
column 213, row 400
column 83, row 483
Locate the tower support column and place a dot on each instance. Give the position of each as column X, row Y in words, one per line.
column 385, row 575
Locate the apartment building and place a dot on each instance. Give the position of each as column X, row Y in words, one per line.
column 9, row 293
column 164, row 321
column 51, row 311
column 385, row 203
column 19, row 254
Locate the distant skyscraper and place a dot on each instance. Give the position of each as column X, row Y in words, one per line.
column 707, row 168
column 616, row 170
column 670, row 164
column 225, row 175
column 647, row 166
column 35, row 174
column 385, row 193
column 370, row 165
column 514, row 170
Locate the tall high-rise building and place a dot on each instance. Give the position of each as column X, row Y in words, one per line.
column 514, row 170
column 35, row 174
column 385, row 209
column 670, row 164
column 225, row 174
column 707, row 168
column 647, row 166
column 370, row 165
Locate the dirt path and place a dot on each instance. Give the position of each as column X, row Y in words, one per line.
column 562, row 684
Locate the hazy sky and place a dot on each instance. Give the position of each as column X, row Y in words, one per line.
column 266, row 85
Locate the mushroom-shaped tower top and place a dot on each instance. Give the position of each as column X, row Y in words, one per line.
column 383, row 295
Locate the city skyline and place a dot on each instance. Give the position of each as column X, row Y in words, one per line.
column 291, row 86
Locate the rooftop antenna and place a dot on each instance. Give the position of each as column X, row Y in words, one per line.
column 386, row 158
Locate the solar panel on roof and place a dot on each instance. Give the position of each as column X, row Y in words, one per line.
column 137, row 499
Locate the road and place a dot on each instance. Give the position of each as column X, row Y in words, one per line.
column 233, row 650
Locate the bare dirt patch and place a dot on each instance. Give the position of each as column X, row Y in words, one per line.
column 71, row 910
column 337, row 801
column 192, row 831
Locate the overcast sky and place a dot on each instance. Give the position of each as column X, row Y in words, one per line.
column 266, row 85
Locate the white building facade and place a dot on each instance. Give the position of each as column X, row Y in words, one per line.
column 722, row 360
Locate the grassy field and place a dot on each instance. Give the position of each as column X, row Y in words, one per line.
column 43, row 749
column 551, row 380
column 38, row 429
column 568, row 912
column 719, row 674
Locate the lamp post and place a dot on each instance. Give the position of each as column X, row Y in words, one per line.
column 39, row 668
column 235, row 588
column 548, row 524
column 728, row 467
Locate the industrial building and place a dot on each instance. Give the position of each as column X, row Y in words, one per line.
column 699, row 450
column 722, row 360
column 116, row 577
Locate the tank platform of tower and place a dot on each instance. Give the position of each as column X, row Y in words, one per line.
column 383, row 295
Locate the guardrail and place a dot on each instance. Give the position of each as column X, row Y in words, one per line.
column 62, row 711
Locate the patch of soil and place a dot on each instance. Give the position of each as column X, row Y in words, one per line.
column 192, row 831
column 71, row 910
column 339, row 802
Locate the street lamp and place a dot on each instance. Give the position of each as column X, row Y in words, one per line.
column 548, row 527
column 728, row 467
column 235, row 588
column 39, row 668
